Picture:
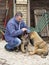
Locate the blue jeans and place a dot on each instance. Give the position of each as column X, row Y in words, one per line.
column 13, row 43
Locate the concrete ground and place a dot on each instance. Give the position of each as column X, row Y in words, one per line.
column 18, row 58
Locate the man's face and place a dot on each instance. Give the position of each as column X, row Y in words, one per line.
column 18, row 18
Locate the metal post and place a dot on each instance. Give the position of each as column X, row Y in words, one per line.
column 28, row 13
column 14, row 6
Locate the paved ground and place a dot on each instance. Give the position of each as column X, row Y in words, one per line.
column 18, row 58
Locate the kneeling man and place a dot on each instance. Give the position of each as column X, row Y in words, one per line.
column 15, row 27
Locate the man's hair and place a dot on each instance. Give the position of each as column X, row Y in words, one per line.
column 19, row 14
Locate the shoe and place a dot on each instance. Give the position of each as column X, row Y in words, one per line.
column 16, row 49
column 10, row 50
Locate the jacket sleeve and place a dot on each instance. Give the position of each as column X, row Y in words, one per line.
column 12, row 31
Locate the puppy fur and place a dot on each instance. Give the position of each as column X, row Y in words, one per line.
column 40, row 46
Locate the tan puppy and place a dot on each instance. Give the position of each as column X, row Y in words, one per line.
column 25, row 42
column 40, row 46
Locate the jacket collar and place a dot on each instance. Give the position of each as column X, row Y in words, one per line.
column 16, row 21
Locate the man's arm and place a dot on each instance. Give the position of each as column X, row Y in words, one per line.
column 12, row 31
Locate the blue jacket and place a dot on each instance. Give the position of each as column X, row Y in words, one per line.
column 13, row 29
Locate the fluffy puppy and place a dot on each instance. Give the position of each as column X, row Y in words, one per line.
column 40, row 46
column 25, row 42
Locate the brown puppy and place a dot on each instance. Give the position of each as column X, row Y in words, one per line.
column 25, row 42
column 40, row 46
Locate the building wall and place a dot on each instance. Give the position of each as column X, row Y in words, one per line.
column 5, row 13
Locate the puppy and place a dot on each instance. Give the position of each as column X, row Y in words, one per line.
column 40, row 46
column 25, row 42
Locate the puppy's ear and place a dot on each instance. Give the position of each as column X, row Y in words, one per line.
column 31, row 35
column 25, row 32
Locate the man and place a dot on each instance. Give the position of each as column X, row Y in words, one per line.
column 15, row 27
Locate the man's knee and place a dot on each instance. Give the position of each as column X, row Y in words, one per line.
column 18, row 41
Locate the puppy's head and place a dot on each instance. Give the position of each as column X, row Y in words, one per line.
column 24, row 36
column 32, row 35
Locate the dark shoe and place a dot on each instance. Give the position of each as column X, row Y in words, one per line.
column 10, row 50
column 16, row 49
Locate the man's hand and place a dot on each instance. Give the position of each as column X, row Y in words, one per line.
column 24, row 29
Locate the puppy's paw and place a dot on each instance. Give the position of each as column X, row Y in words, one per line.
column 31, row 53
column 23, row 51
column 42, row 56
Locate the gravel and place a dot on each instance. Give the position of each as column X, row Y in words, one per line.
column 19, row 58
